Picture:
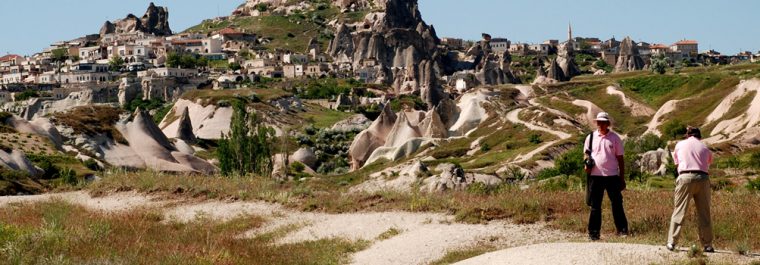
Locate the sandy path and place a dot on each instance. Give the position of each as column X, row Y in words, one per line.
column 591, row 110
column 113, row 203
column 637, row 109
column 668, row 107
column 422, row 237
column 514, row 117
column 592, row 253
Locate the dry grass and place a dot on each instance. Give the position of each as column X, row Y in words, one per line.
column 648, row 210
column 59, row 233
column 92, row 120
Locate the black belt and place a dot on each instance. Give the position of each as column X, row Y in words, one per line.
column 698, row 172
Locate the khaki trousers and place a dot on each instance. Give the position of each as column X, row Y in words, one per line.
column 697, row 186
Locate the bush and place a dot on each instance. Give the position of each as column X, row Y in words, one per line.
column 535, row 139
column 754, row 184
column 673, row 130
column 69, row 176
column 297, row 167
column 92, row 164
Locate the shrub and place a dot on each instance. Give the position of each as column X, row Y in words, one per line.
column 92, row 164
column 69, row 176
column 535, row 138
column 297, row 167
column 485, row 148
column 673, row 129
column 754, row 184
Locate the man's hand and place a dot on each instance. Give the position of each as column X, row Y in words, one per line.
column 623, row 185
column 621, row 164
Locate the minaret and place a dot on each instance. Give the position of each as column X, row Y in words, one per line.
column 569, row 31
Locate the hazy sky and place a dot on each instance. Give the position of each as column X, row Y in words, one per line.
column 28, row 26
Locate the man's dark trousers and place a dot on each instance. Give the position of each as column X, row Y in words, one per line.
column 613, row 185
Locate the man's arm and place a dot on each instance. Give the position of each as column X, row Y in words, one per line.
column 621, row 164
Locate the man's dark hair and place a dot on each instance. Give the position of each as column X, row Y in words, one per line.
column 693, row 132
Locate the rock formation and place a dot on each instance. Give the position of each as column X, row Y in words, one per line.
column 370, row 139
column 155, row 21
column 653, row 162
column 149, row 148
column 452, row 177
column 490, row 68
column 403, row 47
column 629, row 58
column 566, row 61
column 305, row 156
column 17, row 161
column 396, row 135
column 185, row 128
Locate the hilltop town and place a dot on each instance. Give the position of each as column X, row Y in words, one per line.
column 349, row 131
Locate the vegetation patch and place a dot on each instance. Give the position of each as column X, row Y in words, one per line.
column 62, row 233
column 92, row 121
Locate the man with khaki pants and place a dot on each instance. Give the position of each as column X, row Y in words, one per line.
column 692, row 159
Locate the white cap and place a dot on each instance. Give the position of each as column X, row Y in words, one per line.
column 603, row 116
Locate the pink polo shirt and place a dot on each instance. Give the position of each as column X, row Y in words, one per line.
column 606, row 149
column 692, row 155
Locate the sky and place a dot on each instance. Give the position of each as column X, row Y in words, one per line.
column 726, row 26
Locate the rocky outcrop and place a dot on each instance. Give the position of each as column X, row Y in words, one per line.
column 629, row 58
column 357, row 122
column 208, row 122
column 453, row 177
column 370, row 139
column 155, row 21
column 566, row 61
column 490, row 68
column 396, row 135
column 555, row 72
column 403, row 47
column 185, row 128
column 148, row 148
column 654, row 162
column 305, row 156
column 17, row 161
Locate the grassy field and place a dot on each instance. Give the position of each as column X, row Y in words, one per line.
column 60, row 233
column 648, row 208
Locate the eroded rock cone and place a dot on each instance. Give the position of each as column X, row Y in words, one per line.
column 629, row 58
column 370, row 139
column 154, row 21
column 185, row 129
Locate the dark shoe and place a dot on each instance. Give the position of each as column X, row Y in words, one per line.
column 709, row 250
column 623, row 233
column 594, row 237
column 670, row 247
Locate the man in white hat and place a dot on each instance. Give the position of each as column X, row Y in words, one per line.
column 606, row 172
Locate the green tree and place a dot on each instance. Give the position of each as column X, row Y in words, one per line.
column 116, row 63
column 247, row 148
column 659, row 64
column 60, row 55
column 173, row 60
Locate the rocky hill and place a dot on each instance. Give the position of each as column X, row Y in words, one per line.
column 154, row 21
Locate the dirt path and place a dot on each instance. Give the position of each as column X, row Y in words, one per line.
column 411, row 238
column 593, row 253
column 395, row 237
column 637, row 109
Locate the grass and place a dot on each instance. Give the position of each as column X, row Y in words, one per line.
column 454, row 256
column 648, row 209
column 60, row 233
column 213, row 97
column 322, row 117
column 92, row 121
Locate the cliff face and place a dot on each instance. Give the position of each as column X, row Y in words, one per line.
column 402, row 46
column 155, row 21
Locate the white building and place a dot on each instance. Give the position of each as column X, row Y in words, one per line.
column 166, row 72
column 90, row 53
column 212, row 45
column 292, row 58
